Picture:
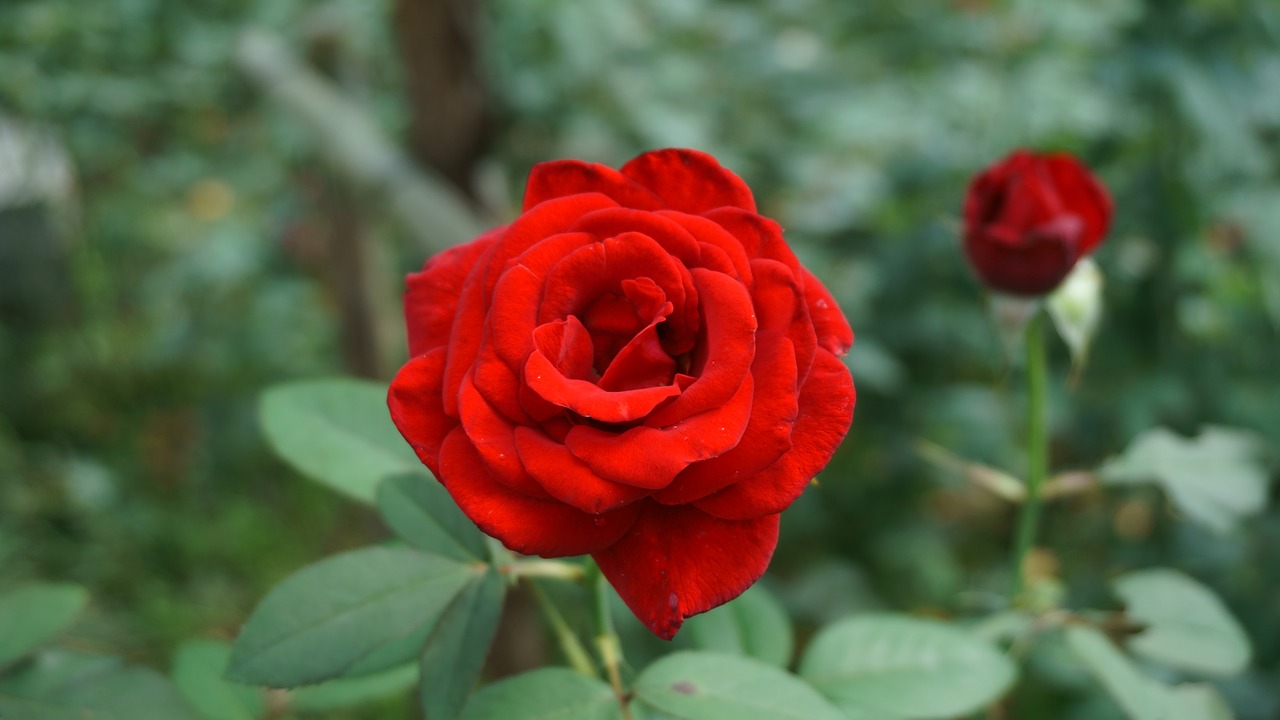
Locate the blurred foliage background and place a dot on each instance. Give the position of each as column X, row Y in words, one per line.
column 173, row 241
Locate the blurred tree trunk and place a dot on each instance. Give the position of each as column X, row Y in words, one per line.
column 354, row 255
column 440, row 47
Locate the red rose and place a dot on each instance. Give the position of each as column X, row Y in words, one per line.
column 1029, row 218
column 637, row 368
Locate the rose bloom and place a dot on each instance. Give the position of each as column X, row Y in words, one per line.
column 636, row 368
column 1030, row 217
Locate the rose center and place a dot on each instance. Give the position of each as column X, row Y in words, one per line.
column 625, row 328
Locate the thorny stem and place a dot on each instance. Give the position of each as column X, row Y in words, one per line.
column 607, row 643
column 1037, row 450
column 570, row 645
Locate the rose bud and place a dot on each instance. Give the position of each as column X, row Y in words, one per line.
column 636, row 368
column 1030, row 217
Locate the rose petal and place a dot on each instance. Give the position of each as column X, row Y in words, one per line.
column 682, row 326
column 1084, row 195
column 567, row 478
column 728, row 343
column 592, row 271
column 1033, row 267
column 431, row 296
column 642, row 363
column 588, row 399
column 553, row 217
column 533, row 527
column 689, row 181
column 537, row 406
column 464, row 340
column 650, row 458
column 834, row 333
column 669, row 234
column 499, row 385
column 648, row 301
column 676, row 562
column 710, row 233
column 783, row 312
column 493, row 437
column 416, row 407
column 986, row 198
column 559, row 178
column 768, row 435
column 826, row 410
column 567, row 344
column 760, row 236
column 513, row 307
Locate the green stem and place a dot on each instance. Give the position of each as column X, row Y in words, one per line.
column 570, row 645
column 1037, row 449
column 607, row 643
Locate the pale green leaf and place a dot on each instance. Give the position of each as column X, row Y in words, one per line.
column 1214, row 479
column 893, row 666
column 338, row 432
column 1140, row 697
column 124, row 694
column 1198, row 702
column 546, row 694
column 198, row 669
column 423, row 514
column 1188, row 627
column 718, row 686
column 34, row 614
column 50, row 672
column 19, row 709
column 753, row 624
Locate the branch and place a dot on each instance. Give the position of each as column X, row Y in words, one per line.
column 431, row 210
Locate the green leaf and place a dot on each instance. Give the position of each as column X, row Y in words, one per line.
column 546, row 694
column 126, row 694
column 198, row 669
column 329, row 619
column 1138, row 696
column 421, row 512
column 34, row 614
column 18, row 709
column 454, row 654
column 717, row 686
column 1198, row 702
column 338, row 432
column 754, row 624
column 1188, row 626
column 1215, row 479
column 892, row 666
column 133, row 693
column 50, row 672
column 350, row 692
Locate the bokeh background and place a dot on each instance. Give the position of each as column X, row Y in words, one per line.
column 200, row 199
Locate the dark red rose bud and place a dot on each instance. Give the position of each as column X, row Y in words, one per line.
column 637, row 368
column 1030, row 217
